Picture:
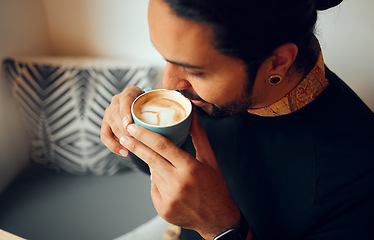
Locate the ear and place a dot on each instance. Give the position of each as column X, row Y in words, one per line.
column 282, row 59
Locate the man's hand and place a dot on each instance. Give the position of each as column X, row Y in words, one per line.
column 116, row 118
column 187, row 192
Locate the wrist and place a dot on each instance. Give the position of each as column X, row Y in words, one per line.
column 240, row 231
column 220, row 223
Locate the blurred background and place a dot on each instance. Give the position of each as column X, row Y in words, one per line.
column 118, row 28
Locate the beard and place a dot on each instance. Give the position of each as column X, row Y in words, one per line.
column 239, row 105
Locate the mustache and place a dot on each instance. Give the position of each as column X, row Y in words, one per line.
column 192, row 96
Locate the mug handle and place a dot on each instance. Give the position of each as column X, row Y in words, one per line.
column 145, row 90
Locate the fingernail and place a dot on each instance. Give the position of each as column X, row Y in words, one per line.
column 123, row 141
column 131, row 129
column 125, row 121
column 123, row 152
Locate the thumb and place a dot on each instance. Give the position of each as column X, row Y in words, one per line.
column 204, row 152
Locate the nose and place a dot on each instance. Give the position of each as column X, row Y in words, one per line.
column 174, row 78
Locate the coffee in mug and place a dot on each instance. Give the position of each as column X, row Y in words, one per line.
column 165, row 112
column 159, row 109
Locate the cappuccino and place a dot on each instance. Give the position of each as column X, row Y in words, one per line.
column 160, row 108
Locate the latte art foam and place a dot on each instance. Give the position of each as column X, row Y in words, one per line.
column 160, row 111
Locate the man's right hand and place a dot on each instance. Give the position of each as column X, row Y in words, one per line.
column 116, row 118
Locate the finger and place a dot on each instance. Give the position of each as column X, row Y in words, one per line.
column 156, row 196
column 119, row 111
column 127, row 97
column 161, row 180
column 131, row 94
column 160, row 145
column 107, row 138
column 111, row 118
column 204, row 152
column 150, row 157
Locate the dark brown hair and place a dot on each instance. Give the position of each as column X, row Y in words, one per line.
column 250, row 30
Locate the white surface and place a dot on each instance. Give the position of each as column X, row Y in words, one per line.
column 151, row 230
column 346, row 35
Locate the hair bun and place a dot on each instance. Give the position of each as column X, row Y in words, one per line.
column 326, row 4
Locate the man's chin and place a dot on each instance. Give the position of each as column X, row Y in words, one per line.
column 202, row 113
column 212, row 112
column 208, row 110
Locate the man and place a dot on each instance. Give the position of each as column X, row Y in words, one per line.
column 282, row 166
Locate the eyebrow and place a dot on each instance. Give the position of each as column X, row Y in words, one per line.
column 185, row 65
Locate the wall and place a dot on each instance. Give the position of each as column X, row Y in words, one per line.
column 102, row 28
column 346, row 34
column 23, row 28
column 22, row 32
column 111, row 28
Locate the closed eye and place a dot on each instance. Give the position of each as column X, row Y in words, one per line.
column 193, row 74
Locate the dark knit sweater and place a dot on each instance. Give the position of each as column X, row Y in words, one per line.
column 305, row 175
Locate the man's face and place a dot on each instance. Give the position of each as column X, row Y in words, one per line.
column 214, row 82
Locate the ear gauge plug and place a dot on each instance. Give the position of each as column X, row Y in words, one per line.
column 275, row 79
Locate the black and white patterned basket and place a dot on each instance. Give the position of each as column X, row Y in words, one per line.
column 62, row 102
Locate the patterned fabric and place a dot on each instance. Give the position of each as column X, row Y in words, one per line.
column 62, row 102
column 305, row 92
